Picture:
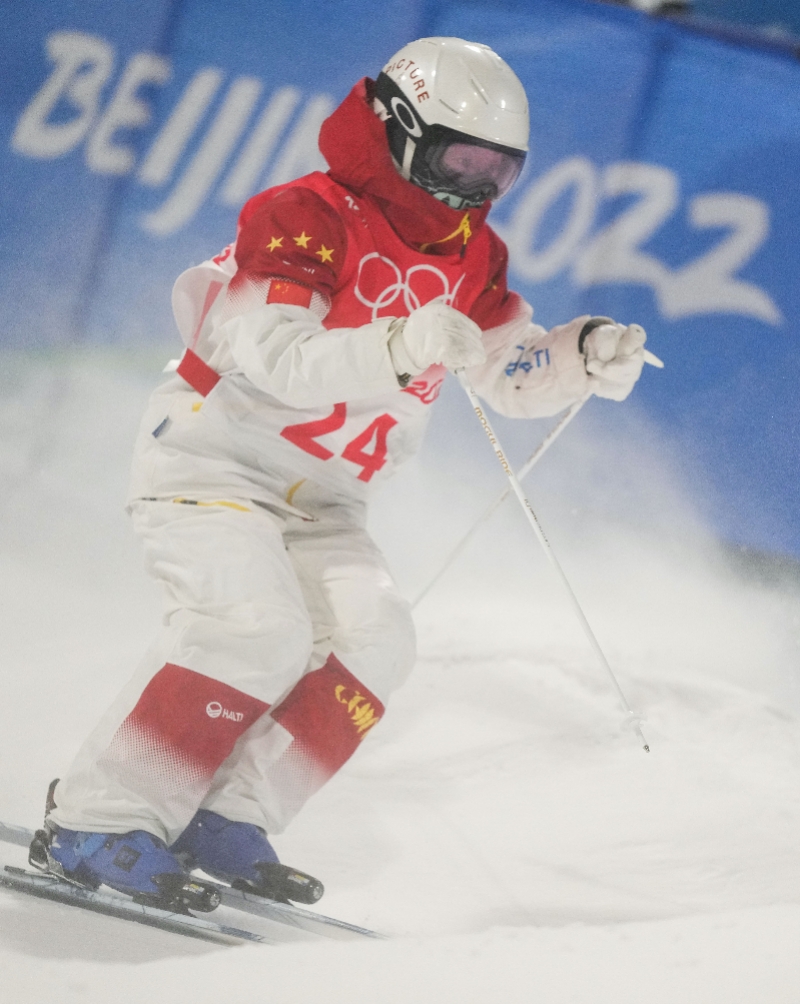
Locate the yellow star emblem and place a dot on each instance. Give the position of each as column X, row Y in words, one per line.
column 276, row 242
column 302, row 240
column 325, row 254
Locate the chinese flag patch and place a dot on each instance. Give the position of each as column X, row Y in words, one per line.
column 285, row 291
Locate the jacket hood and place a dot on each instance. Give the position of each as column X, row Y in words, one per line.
column 353, row 142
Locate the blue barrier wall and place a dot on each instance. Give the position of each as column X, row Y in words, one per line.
column 778, row 15
column 662, row 186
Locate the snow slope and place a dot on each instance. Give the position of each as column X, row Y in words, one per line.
column 501, row 825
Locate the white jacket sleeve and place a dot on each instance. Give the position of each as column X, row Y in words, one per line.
column 531, row 372
column 286, row 351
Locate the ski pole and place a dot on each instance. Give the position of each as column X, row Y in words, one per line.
column 548, row 550
column 532, row 460
column 523, row 472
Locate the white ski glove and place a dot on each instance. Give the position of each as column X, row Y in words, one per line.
column 432, row 334
column 614, row 356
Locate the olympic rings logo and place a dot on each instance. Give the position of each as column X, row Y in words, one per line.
column 403, row 286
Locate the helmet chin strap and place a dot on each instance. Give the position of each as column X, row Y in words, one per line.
column 455, row 201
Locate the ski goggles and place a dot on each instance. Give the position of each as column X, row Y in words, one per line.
column 473, row 171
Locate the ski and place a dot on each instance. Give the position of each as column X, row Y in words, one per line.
column 293, row 916
column 276, row 921
column 51, row 888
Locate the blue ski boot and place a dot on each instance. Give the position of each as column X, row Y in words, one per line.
column 136, row 863
column 239, row 853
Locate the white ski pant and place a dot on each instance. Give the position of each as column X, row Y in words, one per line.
column 282, row 641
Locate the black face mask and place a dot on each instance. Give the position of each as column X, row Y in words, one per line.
column 458, row 169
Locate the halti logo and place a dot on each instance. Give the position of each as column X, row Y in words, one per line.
column 527, row 365
column 214, row 709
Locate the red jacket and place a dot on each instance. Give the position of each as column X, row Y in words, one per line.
column 370, row 242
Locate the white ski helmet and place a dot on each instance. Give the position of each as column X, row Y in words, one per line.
column 456, row 119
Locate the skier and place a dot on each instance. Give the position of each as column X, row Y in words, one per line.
column 315, row 347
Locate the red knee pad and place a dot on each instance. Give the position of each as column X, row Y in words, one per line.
column 328, row 713
column 182, row 728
